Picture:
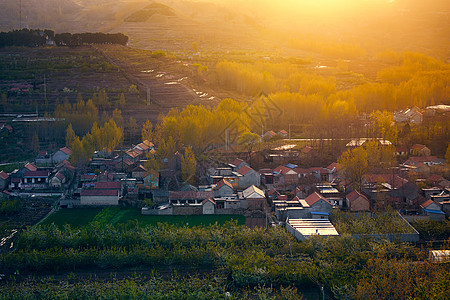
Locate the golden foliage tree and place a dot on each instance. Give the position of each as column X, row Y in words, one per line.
column 188, row 166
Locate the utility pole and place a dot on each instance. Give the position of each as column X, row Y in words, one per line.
column 20, row 15
column 45, row 88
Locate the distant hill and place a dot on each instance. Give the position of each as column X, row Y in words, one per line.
column 144, row 14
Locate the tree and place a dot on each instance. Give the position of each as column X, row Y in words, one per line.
column 122, row 100
column 117, row 116
column 447, row 156
column 147, row 131
column 35, row 143
column 188, row 166
column 354, row 164
column 384, row 124
column 249, row 140
column 70, row 136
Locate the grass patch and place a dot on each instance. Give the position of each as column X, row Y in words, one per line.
column 78, row 217
column 75, row 217
column 388, row 222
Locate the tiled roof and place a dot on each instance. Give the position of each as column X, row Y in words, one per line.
column 422, row 158
column 208, row 200
column 418, row 147
column 60, row 176
column 284, row 170
column 314, row 197
column 427, row 203
column 273, row 192
column 307, row 149
column 112, row 185
column 140, row 168
column 190, row 195
column 355, row 195
column 30, row 167
column 99, row 193
column 36, row 174
column 66, row 150
column 222, row 183
column 4, row 175
column 394, row 180
column 236, row 162
column 435, row 178
column 244, row 170
column 132, row 153
column 88, row 176
column 143, row 146
column 252, row 189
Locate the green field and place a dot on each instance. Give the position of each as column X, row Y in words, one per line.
column 78, row 217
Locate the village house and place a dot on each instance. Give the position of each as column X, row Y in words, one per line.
column 237, row 164
column 99, row 197
column 208, row 206
column 247, row 177
column 269, row 135
column 88, row 180
column 283, row 133
column 4, row 180
column 411, row 115
column 57, row 180
column 151, row 179
column 109, row 185
column 401, row 151
column 189, row 197
column 433, row 210
column 319, row 206
column 357, row 202
column 61, row 154
column 285, row 176
column 223, row 189
column 267, row 177
column 138, row 172
column 419, row 150
column 252, row 198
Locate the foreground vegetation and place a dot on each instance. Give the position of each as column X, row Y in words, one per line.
column 245, row 259
column 81, row 217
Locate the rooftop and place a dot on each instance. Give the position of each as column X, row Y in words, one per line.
column 311, row 227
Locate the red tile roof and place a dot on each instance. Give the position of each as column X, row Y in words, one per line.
column 114, row 185
column 307, row 149
column 132, row 153
column 60, row 176
column 66, row 150
column 30, row 167
column 426, row 203
column 236, row 162
column 244, row 170
column 418, row 147
column 209, row 200
column 88, row 177
column 99, row 193
column 394, row 180
column 143, row 146
column 422, row 158
column 35, row 174
column 4, row 175
column 355, row 195
column 435, row 178
column 283, row 170
column 314, row 197
column 222, row 183
column 282, row 197
column 273, row 192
